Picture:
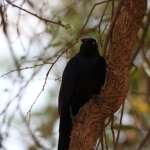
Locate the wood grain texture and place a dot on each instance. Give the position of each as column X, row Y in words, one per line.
column 84, row 135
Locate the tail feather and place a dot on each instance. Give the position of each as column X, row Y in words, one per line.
column 65, row 128
column 63, row 143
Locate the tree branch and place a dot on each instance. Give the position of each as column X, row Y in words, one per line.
column 145, row 139
column 45, row 20
column 84, row 135
column 143, row 36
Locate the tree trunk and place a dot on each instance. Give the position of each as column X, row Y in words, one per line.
column 84, row 135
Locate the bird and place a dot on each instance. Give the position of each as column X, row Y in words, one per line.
column 83, row 76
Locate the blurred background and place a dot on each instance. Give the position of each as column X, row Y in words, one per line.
column 33, row 54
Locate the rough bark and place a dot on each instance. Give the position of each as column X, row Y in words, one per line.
column 84, row 135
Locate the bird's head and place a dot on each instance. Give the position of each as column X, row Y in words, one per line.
column 89, row 47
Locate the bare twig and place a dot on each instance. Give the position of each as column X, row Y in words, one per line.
column 36, row 141
column 101, row 133
column 112, row 129
column 102, row 142
column 65, row 50
column 28, row 113
column 43, row 19
column 117, row 138
column 116, row 14
column 88, row 17
column 99, row 25
column 145, row 56
column 113, row 5
column 105, row 140
column 144, row 140
column 20, row 69
column 141, row 47
column 143, row 36
column 17, row 25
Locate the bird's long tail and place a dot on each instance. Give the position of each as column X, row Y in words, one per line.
column 65, row 128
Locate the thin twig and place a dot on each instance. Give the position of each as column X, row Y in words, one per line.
column 65, row 50
column 143, row 36
column 88, row 17
column 144, row 140
column 112, row 24
column 105, row 140
column 17, row 25
column 35, row 139
column 145, row 56
column 102, row 142
column 120, row 124
column 112, row 13
column 108, row 122
column 101, row 133
column 45, row 20
column 112, row 129
column 28, row 113
column 20, row 69
column 100, row 22
column 133, row 72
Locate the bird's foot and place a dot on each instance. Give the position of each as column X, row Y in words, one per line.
column 98, row 100
column 75, row 120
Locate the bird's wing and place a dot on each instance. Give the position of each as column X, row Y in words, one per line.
column 102, row 70
column 67, row 86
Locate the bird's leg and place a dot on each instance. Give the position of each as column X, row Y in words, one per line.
column 74, row 118
column 98, row 100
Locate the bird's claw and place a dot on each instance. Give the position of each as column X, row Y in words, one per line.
column 98, row 100
column 75, row 120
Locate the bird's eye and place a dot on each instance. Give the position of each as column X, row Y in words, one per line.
column 93, row 42
column 83, row 41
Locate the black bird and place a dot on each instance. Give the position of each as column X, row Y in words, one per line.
column 83, row 77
